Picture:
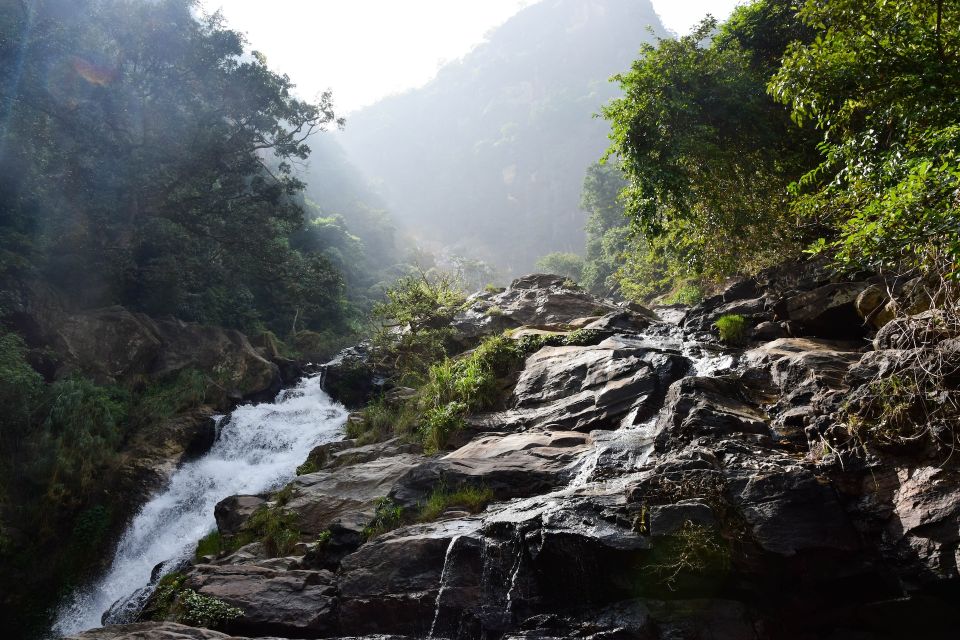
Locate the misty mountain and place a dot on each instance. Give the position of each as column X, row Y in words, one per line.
column 488, row 158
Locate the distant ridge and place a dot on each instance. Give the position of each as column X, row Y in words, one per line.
column 488, row 158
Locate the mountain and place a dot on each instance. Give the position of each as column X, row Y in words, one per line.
column 489, row 157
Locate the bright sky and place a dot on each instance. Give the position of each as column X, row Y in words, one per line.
column 367, row 49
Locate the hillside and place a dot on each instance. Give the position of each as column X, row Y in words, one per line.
column 501, row 139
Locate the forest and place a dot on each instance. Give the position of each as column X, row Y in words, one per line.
column 151, row 161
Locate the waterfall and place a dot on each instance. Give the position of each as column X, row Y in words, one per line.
column 257, row 450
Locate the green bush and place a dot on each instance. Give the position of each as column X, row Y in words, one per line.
column 688, row 294
column 472, row 499
column 562, row 264
column 277, row 530
column 205, row 611
column 185, row 390
column 732, row 328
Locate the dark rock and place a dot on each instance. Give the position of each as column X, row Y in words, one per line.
column 704, row 406
column 351, row 379
column 539, row 300
column 273, row 602
column 829, row 311
column 346, row 496
column 669, row 518
column 391, row 583
column 231, row 513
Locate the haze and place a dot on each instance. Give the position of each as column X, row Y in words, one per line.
column 367, row 49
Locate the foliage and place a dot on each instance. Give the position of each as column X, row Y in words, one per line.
column 688, row 294
column 211, row 544
column 381, row 420
column 606, row 227
column 881, row 81
column 149, row 161
column 569, row 265
column 414, row 324
column 732, row 328
column 387, row 516
column 468, row 498
column 186, row 389
column 708, row 155
column 205, row 611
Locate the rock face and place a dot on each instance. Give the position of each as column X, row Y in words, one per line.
column 115, row 345
column 538, row 299
column 652, row 484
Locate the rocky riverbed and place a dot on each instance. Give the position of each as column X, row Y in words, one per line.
column 651, row 484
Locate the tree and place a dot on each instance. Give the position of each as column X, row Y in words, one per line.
column 882, row 82
column 562, row 264
column 150, row 163
column 707, row 151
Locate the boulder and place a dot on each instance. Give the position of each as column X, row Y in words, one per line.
column 511, row 466
column 232, row 513
column 593, row 387
column 787, row 508
column 351, row 379
column 538, row 299
column 278, row 602
column 345, row 497
column 151, row 631
column 924, row 528
column 390, row 584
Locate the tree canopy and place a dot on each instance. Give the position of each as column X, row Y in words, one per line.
column 148, row 160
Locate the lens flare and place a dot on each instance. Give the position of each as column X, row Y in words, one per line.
column 93, row 73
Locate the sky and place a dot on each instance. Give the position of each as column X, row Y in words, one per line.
column 364, row 50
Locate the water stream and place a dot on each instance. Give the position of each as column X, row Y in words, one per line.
column 258, row 448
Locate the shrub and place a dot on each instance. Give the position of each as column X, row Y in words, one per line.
column 732, row 328
column 562, row 264
column 205, row 611
column 186, row 389
column 277, row 530
column 472, row 499
column 687, row 293
column 439, row 423
column 387, row 516
column 381, row 420
column 494, row 311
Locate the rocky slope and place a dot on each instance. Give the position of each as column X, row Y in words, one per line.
column 648, row 483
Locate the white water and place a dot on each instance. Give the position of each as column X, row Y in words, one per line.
column 258, row 449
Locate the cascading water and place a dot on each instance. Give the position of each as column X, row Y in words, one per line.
column 257, row 450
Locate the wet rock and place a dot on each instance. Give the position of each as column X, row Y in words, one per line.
column 345, row 497
column 391, row 583
column 703, row 406
column 351, row 379
column 787, row 507
column 272, row 601
column 585, row 388
column 669, row 518
column 151, row 631
column 511, row 466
